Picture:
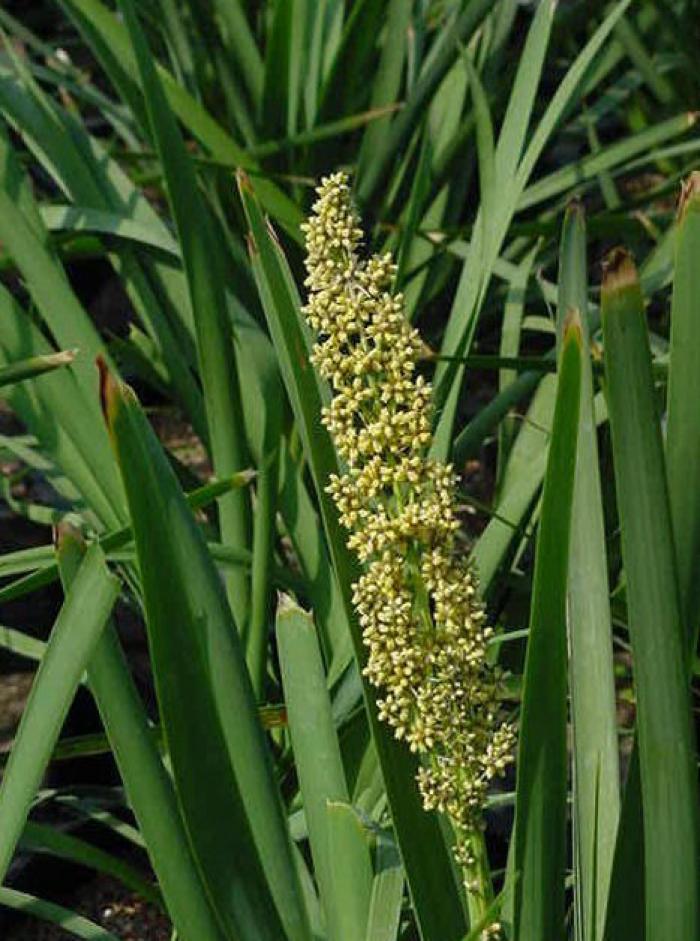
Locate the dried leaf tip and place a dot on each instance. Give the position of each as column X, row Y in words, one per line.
column 65, row 357
column 113, row 392
column 109, row 390
column 65, row 533
column 244, row 477
column 573, row 330
column 619, row 271
column 243, row 182
column 690, row 194
column 286, row 604
column 576, row 208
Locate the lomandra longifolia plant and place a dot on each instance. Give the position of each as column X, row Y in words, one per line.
column 416, row 600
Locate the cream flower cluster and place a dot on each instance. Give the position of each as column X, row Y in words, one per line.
column 422, row 624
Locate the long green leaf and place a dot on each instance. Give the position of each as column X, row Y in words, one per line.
column 520, row 485
column 72, row 640
column 81, row 166
column 540, row 816
column 440, row 126
column 55, row 914
column 513, row 313
column 335, row 848
column 38, row 837
column 387, row 81
column 108, row 38
column 25, row 237
column 522, row 99
column 666, row 755
column 351, row 873
column 148, row 786
column 241, row 41
column 387, row 895
column 204, row 269
column 683, row 434
column 481, row 260
column 51, row 408
column 345, row 87
column 223, row 778
column 33, row 367
column 596, row 805
column 443, row 54
column 609, row 158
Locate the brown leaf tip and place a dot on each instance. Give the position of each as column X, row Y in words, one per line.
column 576, row 208
column 619, row 270
column 65, row 532
column 65, row 357
column 285, row 603
column 573, row 329
column 243, row 181
column 252, row 244
column 690, row 192
column 109, row 390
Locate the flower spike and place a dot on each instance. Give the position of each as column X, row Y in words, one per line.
column 416, row 600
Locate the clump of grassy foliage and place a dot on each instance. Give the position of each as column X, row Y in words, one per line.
column 493, row 149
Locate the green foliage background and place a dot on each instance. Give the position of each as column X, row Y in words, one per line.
column 499, row 151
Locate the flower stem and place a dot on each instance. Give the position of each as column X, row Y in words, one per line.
column 477, row 880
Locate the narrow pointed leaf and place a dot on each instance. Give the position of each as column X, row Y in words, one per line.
column 387, row 895
column 148, row 786
column 223, row 779
column 351, row 873
column 666, row 755
column 72, row 640
column 336, row 846
column 33, row 367
column 204, row 269
column 64, row 918
column 596, row 806
column 683, row 431
column 540, row 827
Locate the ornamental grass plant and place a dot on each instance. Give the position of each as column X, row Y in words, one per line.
column 356, row 465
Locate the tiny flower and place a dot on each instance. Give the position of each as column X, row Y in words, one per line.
column 417, row 597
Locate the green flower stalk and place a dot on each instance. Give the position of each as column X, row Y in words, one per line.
column 423, row 626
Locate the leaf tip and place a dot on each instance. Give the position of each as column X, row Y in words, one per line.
column 575, row 209
column 285, row 603
column 252, row 245
column 243, row 182
column 65, row 357
column 113, row 393
column 690, row 194
column 67, row 536
column 573, row 329
column 108, row 389
column 619, row 271
column 244, row 477
column 272, row 233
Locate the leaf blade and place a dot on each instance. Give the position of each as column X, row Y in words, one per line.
column 540, row 827
column 75, row 633
column 667, row 765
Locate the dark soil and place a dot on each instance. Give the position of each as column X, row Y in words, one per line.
column 107, row 903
